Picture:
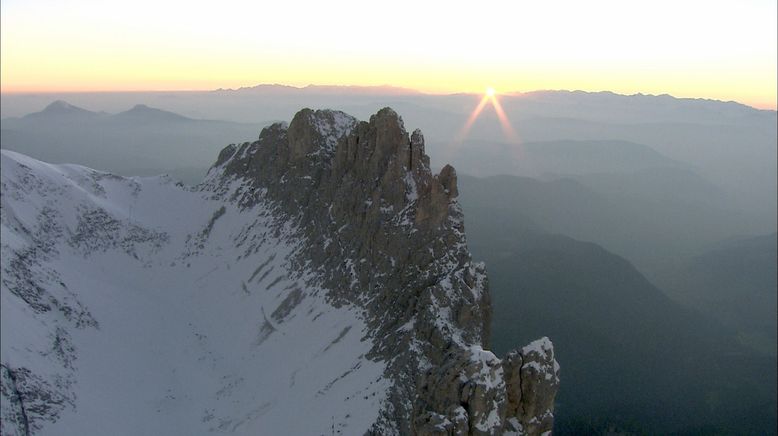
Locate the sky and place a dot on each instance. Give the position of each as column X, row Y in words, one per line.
column 719, row 49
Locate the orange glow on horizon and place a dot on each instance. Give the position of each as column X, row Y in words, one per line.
column 756, row 99
column 115, row 46
column 109, row 85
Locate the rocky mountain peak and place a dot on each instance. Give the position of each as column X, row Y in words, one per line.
column 318, row 131
column 142, row 112
column 60, row 105
column 324, row 261
column 60, row 108
column 388, row 236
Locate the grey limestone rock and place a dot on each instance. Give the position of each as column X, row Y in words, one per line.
column 28, row 400
column 387, row 235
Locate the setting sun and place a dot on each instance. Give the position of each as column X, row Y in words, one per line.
column 489, row 97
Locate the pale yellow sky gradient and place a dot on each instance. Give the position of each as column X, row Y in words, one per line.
column 720, row 49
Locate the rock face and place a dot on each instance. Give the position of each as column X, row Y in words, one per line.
column 388, row 234
column 377, row 318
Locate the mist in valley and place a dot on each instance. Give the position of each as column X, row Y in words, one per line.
column 638, row 232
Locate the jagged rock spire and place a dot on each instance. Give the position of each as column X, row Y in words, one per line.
column 388, row 236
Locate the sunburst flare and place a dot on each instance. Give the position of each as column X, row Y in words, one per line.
column 490, row 96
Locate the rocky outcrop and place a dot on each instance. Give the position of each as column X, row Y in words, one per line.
column 28, row 401
column 323, row 267
column 532, row 380
column 387, row 235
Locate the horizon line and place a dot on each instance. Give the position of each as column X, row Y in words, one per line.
column 760, row 106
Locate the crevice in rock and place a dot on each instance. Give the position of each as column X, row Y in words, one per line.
column 16, row 395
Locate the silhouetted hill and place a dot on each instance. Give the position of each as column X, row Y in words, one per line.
column 634, row 359
column 144, row 114
column 736, row 283
column 60, row 109
column 659, row 184
column 636, row 215
column 139, row 141
column 563, row 157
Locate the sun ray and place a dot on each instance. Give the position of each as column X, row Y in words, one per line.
column 512, row 138
column 507, row 128
column 476, row 112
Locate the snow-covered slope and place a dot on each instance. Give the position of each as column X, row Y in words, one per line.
column 261, row 302
column 133, row 325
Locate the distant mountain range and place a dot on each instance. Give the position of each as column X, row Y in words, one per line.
column 730, row 144
column 593, row 106
column 324, row 89
column 139, row 141
column 63, row 111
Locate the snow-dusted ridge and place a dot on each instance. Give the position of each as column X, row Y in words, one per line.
column 318, row 281
column 176, row 336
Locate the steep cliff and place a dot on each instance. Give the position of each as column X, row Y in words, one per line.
column 325, row 258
